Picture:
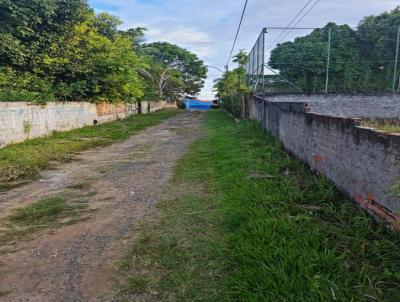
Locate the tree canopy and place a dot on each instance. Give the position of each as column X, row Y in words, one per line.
column 180, row 70
column 362, row 59
column 62, row 50
column 232, row 88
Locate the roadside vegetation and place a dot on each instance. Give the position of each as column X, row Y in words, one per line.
column 361, row 62
column 37, row 216
column 22, row 162
column 361, row 58
column 61, row 50
column 392, row 126
column 245, row 221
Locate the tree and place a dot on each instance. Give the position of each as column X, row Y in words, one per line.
column 98, row 67
column 137, row 35
column 377, row 36
column 27, row 28
column 232, row 88
column 65, row 52
column 62, row 50
column 303, row 61
column 179, row 63
column 107, row 25
column 361, row 60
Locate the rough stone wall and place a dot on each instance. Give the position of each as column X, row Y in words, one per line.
column 362, row 162
column 20, row 120
column 373, row 106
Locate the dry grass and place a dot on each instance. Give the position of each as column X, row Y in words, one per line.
column 390, row 125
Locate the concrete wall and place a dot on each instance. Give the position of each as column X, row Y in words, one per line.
column 362, row 162
column 20, row 120
column 374, row 106
column 155, row 106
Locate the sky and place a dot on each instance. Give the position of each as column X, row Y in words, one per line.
column 208, row 27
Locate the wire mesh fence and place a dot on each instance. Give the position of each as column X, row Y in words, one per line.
column 333, row 59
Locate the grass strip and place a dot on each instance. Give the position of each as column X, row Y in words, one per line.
column 245, row 221
column 39, row 215
column 388, row 125
column 23, row 161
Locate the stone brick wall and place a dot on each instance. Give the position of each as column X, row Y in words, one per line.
column 374, row 106
column 20, row 120
column 362, row 162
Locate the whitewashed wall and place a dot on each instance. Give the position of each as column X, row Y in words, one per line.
column 20, row 120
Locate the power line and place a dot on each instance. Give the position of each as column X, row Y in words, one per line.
column 237, row 34
column 290, row 23
column 307, row 12
column 298, row 21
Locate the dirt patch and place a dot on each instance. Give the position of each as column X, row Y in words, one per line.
column 122, row 183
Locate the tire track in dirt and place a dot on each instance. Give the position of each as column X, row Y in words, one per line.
column 122, row 183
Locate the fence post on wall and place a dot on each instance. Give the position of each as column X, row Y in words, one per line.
column 396, row 60
column 264, row 33
column 328, row 61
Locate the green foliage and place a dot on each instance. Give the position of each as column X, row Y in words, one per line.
column 60, row 50
column 244, row 221
column 137, row 35
column 387, row 125
column 23, row 161
column 40, row 212
column 177, row 71
column 107, row 25
column 361, row 60
column 27, row 28
column 45, row 213
column 24, row 87
column 232, row 88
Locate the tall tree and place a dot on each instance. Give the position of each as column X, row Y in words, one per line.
column 186, row 65
column 28, row 28
column 361, row 60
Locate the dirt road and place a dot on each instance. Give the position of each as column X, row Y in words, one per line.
column 121, row 184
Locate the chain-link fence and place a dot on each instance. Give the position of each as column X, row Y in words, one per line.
column 333, row 59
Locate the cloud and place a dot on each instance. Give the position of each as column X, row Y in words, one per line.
column 207, row 27
column 180, row 35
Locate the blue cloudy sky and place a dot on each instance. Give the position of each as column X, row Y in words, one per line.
column 207, row 27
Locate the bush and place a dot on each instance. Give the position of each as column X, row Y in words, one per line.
column 24, row 87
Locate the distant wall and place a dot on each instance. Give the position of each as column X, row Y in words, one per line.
column 362, row 162
column 155, row 106
column 20, row 120
column 347, row 105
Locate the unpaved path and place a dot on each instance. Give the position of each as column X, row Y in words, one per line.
column 123, row 183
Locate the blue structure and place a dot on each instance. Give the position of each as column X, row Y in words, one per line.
column 197, row 105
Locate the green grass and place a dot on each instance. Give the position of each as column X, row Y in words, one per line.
column 244, row 221
column 22, row 161
column 41, row 212
column 36, row 216
column 392, row 126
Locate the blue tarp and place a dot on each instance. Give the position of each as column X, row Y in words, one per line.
column 198, row 105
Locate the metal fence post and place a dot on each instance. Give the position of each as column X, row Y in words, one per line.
column 264, row 33
column 396, row 60
column 328, row 62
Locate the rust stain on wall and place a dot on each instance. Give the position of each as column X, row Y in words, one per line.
column 110, row 108
column 378, row 211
